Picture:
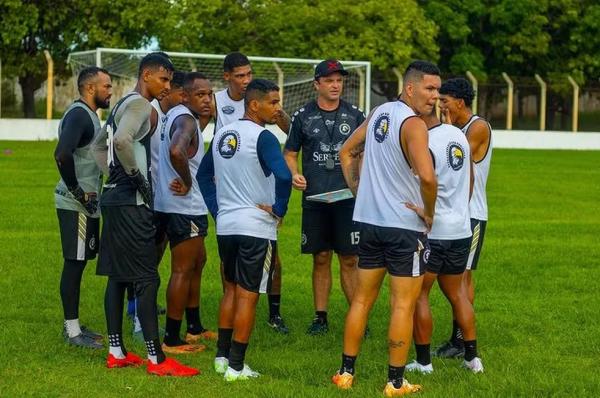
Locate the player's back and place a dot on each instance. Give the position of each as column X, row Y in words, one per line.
column 452, row 157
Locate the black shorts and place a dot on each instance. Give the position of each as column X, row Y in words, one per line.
column 329, row 227
column 179, row 227
column 478, row 229
column 448, row 257
column 127, row 248
column 248, row 261
column 403, row 252
column 78, row 235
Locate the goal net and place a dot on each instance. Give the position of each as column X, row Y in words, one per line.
column 293, row 76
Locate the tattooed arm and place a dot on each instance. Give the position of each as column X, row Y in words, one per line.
column 351, row 155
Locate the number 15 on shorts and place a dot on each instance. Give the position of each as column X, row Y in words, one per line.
column 355, row 237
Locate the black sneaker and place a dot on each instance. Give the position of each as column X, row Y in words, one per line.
column 91, row 334
column 83, row 341
column 449, row 350
column 317, row 327
column 277, row 324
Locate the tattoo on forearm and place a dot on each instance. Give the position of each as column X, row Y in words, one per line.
column 395, row 343
column 354, row 176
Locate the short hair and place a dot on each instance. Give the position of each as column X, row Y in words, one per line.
column 155, row 60
column 233, row 60
column 417, row 69
column 178, row 79
column 258, row 88
column 459, row 88
column 88, row 74
column 191, row 77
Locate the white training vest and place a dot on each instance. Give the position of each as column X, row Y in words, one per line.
column 192, row 203
column 241, row 182
column 478, row 206
column 452, row 157
column 155, row 143
column 386, row 179
column 228, row 110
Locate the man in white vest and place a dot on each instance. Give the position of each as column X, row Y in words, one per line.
column 181, row 213
column 229, row 108
column 396, row 170
column 450, row 241
column 456, row 98
column 246, row 185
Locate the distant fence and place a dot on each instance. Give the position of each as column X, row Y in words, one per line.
column 508, row 102
column 40, row 129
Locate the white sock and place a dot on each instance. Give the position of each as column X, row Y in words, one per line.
column 152, row 357
column 72, row 327
column 116, row 352
column 114, row 346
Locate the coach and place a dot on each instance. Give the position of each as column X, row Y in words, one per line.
column 319, row 129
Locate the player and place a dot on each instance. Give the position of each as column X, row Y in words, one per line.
column 182, row 214
column 159, row 111
column 319, row 129
column 76, row 196
column 450, row 241
column 247, row 184
column 229, row 106
column 456, row 97
column 127, row 248
column 392, row 236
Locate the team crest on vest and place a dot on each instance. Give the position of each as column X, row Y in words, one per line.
column 229, row 144
column 344, row 128
column 455, row 155
column 228, row 109
column 382, row 127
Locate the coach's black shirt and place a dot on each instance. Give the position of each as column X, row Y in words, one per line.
column 320, row 134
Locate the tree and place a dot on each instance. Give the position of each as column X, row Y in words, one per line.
column 388, row 34
column 30, row 27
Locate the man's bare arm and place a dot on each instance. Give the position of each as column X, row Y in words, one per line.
column 291, row 159
column 184, row 130
column 479, row 138
column 351, row 155
column 416, row 142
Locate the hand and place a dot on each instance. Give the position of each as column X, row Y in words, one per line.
column 178, row 187
column 89, row 200
column 143, row 187
column 269, row 209
column 299, row 182
column 428, row 220
column 446, row 118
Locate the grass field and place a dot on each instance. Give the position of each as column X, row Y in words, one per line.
column 537, row 305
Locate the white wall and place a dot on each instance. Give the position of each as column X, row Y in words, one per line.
column 39, row 129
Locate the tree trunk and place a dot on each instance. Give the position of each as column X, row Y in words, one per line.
column 28, row 85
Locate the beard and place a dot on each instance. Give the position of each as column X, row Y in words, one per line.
column 102, row 103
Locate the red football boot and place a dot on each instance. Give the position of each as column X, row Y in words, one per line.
column 170, row 367
column 129, row 360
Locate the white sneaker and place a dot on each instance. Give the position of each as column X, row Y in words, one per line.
column 248, row 372
column 244, row 374
column 474, row 365
column 415, row 366
column 221, row 364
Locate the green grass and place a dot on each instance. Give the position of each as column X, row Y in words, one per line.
column 537, row 298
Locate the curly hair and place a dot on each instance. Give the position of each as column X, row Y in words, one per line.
column 459, row 88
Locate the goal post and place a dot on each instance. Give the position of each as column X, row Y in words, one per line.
column 294, row 76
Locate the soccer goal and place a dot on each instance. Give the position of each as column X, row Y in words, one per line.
column 293, row 76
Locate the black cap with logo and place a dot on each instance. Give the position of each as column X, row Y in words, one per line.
column 329, row 66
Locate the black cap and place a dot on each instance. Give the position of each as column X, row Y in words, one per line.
column 327, row 67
